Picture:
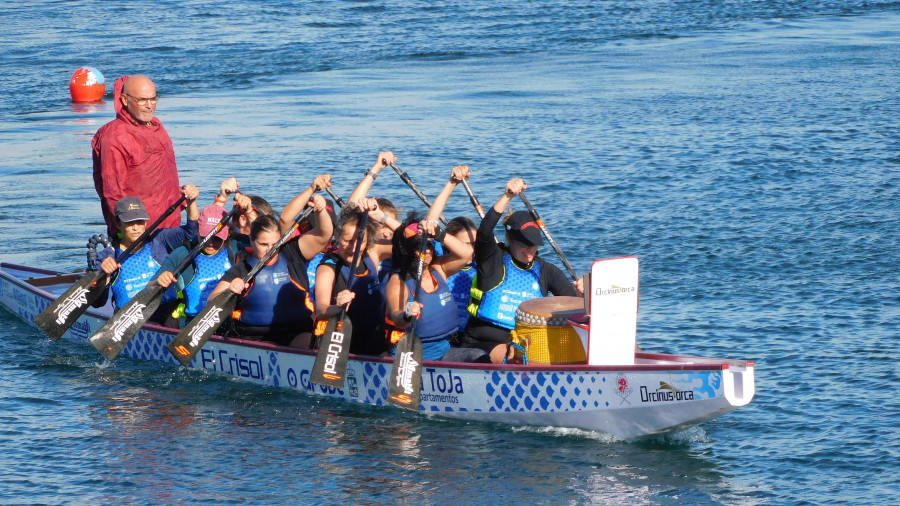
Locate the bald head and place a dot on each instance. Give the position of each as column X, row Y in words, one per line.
column 135, row 94
column 139, row 86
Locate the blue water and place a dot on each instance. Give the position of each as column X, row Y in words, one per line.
column 747, row 153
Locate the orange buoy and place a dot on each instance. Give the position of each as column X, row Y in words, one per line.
column 87, row 85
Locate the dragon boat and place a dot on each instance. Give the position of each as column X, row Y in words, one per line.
column 610, row 387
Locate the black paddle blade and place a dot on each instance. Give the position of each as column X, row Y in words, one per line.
column 62, row 313
column 194, row 335
column 405, row 386
column 124, row 324
column 331, row 360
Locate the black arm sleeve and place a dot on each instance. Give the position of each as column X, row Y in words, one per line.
column 557, row 282
column 488, row 255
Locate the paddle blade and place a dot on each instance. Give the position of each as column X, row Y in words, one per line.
column 124, row 324
column 194, row 335
column 65, row 310
column 331, row 360
column 405, row 386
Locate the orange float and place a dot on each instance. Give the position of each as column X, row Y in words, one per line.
column 87, row 85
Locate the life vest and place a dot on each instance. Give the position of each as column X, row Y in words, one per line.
column 311, row 274
column 438, row 320
column 461, row 285
column 366, row 311
column 498, row 304
column 135, row 273
column 207, row 272
column 274, row 297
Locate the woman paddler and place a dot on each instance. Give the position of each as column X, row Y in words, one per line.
column 364, row 298
column 275, row 305
column 438, row 317
column 509, row 276
column 132, row 275
column 201, row 276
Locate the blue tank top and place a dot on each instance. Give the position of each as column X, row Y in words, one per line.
column 208, row 270
column 498, row 305
column 136, row 272
column 274, row 298
column 461, row 288
column 439, row 316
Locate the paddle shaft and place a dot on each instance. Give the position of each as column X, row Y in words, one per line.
column 476, row 204
column 337, row 200
column 412, row 186
column 357, row 251
column 549, row 237
column 420, row 269
column 190, row 256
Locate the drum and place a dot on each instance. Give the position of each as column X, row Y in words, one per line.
column 544, row 331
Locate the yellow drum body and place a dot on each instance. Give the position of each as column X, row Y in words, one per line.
column 543, row 330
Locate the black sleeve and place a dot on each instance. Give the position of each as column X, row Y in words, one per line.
column 238, row 270
column 488, row 255
column 557, row 282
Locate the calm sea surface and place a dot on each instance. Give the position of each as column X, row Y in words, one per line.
column 747, row 152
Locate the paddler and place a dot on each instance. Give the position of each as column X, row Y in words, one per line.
column 508, row 276
column 275, row 306
column 133, row 275
column 202, row 275
column 365, row 298
column 438, row 317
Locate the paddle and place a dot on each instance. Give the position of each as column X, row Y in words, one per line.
column 406, row 373
column 195, row 334
column 473, row 200
column 552, row 242
column 68, row 307
column 412, row 186
column 337, row 200
column 478, row 208
column 124, row 324
column 331, row 359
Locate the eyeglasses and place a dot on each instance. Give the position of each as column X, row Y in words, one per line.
column 144, row 101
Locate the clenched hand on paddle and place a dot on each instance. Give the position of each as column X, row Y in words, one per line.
column 66, row 309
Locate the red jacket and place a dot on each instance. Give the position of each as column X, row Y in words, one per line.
column 135, row 160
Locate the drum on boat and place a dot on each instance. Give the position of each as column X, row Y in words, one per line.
column 544, row 331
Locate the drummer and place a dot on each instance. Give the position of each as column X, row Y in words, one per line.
column 438, row 317
column 275, row 306
column 507, row 276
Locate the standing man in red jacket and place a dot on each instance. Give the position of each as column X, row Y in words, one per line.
column 133, row 155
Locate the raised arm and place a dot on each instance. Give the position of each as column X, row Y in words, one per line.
column 314, row 241
column 457, row 253
column 385, row 158
column 301, row 201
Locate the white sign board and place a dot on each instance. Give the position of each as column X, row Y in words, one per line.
column 614, row 302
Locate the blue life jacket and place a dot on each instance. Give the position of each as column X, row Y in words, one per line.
column 461, row 288
column 207, row 272
column 498, row 304
column 135, row 273
column 274, row 297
